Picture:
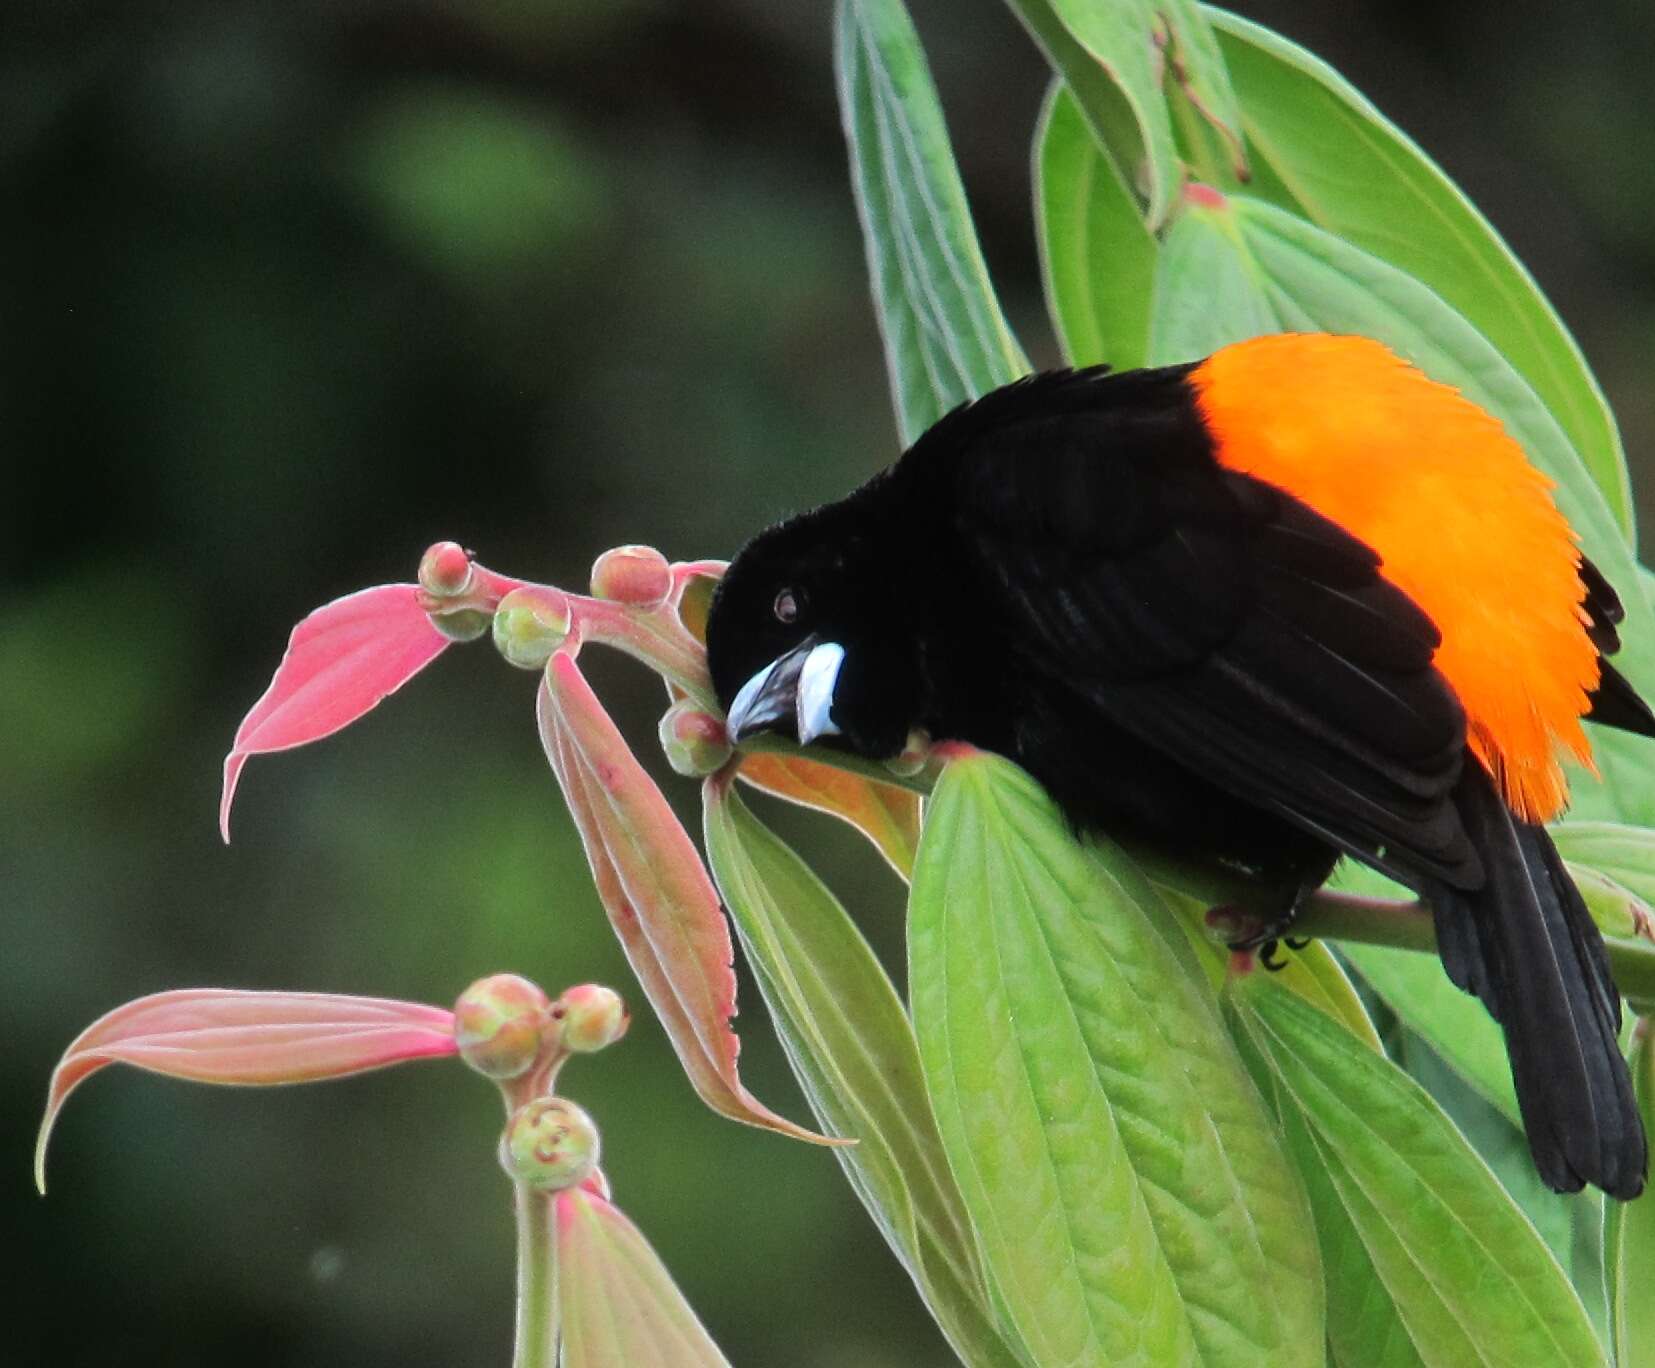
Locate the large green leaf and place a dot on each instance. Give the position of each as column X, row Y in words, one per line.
column 1352, row 172
column 1191, row 892
column 852, row 1048
column 1629, row 1239
column 1097, row 256
column 1129, row 1190
column 1455, row 1024
column 1117, row 55
column 1238, row 267
column 1467, row 1274
column 1364, row 1327
column 946, row 339
column 1571, row 1224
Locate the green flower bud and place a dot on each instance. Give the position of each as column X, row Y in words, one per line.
column 695, row 742
column 591, row 1017
column 500, row 1025
column 550, row 1144
column 529, row 625
column 465, row 625
column 638, row 575
column 445, row 570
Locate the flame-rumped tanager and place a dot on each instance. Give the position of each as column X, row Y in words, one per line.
column 1291, row 602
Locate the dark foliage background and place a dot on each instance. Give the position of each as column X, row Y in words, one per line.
column 289, row 291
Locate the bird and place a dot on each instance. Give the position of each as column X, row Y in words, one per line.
column 1293, row 602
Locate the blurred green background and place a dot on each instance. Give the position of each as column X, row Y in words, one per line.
column 288, row 292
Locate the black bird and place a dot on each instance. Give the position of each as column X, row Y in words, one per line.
column 1293, row 602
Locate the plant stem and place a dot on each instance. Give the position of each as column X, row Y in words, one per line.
column 1408, row 926
column 536, row 1338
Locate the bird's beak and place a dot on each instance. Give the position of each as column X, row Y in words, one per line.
column 796, row 687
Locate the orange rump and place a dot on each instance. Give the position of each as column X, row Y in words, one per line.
column 1463, row 523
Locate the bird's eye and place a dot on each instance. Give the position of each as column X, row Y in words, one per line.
column 786, row 606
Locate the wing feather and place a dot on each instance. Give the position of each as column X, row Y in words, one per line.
column 1221, row 620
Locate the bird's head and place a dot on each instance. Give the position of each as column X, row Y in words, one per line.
column 804, row 640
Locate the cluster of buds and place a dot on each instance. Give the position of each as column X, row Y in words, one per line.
column 350, row 655
column 507, row 1029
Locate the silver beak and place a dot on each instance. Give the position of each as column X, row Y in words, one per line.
column 796, row 687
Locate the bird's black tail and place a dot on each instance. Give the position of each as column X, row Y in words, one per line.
column 1525, row 944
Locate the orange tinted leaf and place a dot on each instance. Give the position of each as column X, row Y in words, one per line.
column 887, row 814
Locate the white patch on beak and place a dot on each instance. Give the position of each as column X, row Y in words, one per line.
column 814, row 699
column 741, row 709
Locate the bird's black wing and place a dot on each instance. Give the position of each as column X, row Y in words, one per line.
column 1218, row 618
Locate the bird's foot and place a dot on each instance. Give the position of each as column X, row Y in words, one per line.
column 1255, row 935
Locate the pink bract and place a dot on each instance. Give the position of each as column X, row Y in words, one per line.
column 229, row 1035
column 340, row 662
column 659, row 896
column 617, row 1302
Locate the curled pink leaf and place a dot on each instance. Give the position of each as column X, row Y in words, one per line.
column 659, row 896
column 229, row 1035
column 340, row 662
column 616, row 1301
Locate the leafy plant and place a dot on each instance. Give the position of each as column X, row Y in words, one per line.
column 1089, row 1135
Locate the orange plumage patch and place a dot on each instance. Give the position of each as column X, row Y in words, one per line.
column 1463, row 523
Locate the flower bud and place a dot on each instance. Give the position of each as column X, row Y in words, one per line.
column 695, row 742
column 638, row 575
column 592, row 1017
column 529, row 625
column 445, row 570
column 597, row 1182
column 467, row 624
column 550, row 1144
column 500, row 1025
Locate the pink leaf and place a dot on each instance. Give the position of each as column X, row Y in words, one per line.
column 659, row 896
column 616, row 1301
column 229, row 1035
column 340, row 662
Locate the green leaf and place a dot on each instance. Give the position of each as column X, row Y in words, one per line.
column 946, row 339
column 617, row 1303
column 1364, row 1327
column 1096, row 255
column 1243, row 267
column 1500, row 1144
column 1136, row 44
column 1625, row 853
column 1617, row 910
column 1452, row 1022
column 852, row 1048
column 1129, row 1190
column 1629, row 1238
column 1467, row 1274
column 1352, row 172
column 1191, row 892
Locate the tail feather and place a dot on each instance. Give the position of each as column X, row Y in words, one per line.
column 1615, row 703
column 1526, row 945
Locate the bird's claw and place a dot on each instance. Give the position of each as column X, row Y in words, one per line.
column 1267, row 945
